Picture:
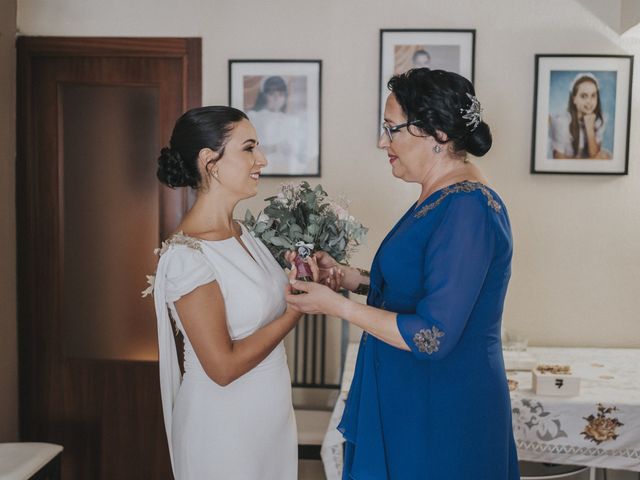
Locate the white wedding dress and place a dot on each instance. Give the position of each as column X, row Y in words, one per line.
column 246, row 430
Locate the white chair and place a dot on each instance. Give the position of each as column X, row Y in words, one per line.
column 315, row 396
column 30, row 461
column 312, row 427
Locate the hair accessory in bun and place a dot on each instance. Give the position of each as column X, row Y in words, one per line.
column 473, row 113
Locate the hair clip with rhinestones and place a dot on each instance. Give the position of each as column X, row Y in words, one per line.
column 473, row 113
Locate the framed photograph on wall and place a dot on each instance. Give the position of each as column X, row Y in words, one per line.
column 401, row 50
column 581, row 114
column 282, row 100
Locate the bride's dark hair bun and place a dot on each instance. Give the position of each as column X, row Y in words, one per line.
column 204, row 127
column 172, row 171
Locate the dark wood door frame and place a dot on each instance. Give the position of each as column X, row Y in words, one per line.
column 48, row 380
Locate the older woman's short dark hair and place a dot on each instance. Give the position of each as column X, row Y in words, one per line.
column 436, row 100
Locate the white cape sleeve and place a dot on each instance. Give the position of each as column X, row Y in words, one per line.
column 170, row 375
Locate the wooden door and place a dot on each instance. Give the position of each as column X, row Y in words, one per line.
column 93, row 114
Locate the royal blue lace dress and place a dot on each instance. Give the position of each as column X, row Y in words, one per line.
column 441, row 411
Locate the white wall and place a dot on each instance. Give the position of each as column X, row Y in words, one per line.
column 8, row 345
column 576, row 270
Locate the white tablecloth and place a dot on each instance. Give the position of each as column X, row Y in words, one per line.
column 331, row 450
column 599, row 428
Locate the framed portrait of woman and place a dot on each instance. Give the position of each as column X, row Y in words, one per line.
column 282, row 100
column 438, row 49
column 581, row 114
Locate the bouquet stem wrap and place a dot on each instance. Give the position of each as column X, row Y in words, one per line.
column 304, row 251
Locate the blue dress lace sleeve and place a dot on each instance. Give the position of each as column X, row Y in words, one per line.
column 456, row 262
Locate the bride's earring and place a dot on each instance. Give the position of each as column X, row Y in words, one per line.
column 437, row 148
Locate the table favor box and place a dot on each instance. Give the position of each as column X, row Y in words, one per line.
column 555, row 384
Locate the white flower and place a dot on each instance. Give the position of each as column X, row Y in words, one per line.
column 151, row 280
column 342, row 213
column 340, row 207
column 263, row 217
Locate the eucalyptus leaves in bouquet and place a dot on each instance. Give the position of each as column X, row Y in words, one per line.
column 301, row 216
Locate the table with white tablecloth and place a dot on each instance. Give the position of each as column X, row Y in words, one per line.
column 600, row 427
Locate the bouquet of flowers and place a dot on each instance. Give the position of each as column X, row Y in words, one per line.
column 305, row 219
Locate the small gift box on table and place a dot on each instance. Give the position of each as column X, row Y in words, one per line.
column 555, row 380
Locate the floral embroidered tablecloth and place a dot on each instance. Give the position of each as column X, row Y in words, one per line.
column 599, row 428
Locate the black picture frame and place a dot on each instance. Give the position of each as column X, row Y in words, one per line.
column 290, row 134
column 554, row 148
column 455, row 50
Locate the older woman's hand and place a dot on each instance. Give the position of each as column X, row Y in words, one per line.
column 316, row 298
column 329, row 272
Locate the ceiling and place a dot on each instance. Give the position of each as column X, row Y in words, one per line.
column 621, row 15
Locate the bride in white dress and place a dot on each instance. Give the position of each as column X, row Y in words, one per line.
column 230, row 416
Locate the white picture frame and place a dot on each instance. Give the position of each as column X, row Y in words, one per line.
column 283, row 101
column 438, row 49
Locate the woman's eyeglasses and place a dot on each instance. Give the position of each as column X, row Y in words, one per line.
column 391, row 129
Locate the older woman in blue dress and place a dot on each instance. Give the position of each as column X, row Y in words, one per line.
column 429, row 399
